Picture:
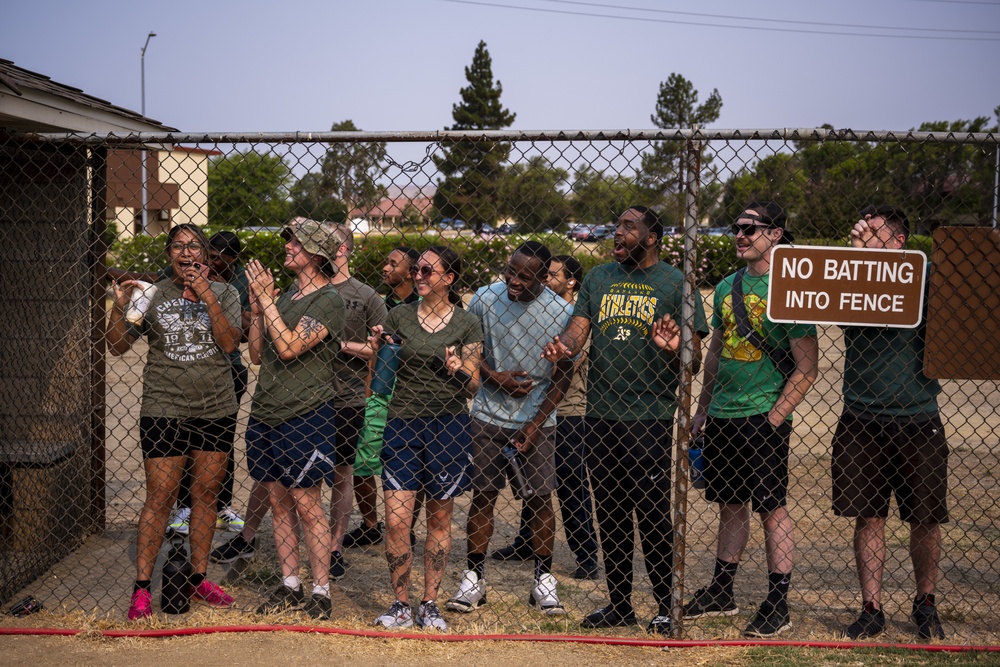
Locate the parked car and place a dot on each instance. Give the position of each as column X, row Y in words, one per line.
column 581, row 232
column 601, row 232
column 451, row 223
column 506, row 229
column 715, row 231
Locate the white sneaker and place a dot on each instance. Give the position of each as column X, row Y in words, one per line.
column 179, row 519
column 544, row 597
column 229, row 520
column 471, row 594
column 399, row 615
column 429, row 617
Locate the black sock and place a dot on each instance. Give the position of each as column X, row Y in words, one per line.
column 477, row 563
column 143, row 585
column 725, row 572
column 926, row 598
column 777, row 587
column 543, row 565
column 196, row 579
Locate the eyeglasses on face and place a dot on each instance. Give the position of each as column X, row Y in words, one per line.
column 179, row 247
column 749, row 229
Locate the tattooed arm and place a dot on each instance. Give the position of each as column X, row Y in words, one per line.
column 290, row 343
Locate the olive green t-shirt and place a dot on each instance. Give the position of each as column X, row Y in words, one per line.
column 630, row 378
column 419, row 392
column 748, row 383
column 363, row 309
column 287, row 389
column 187, row 374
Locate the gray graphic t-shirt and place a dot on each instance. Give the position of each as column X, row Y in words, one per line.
column 187, row 374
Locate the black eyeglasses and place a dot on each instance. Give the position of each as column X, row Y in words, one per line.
column 749, row 229
column 424, row 271
column 178, row 247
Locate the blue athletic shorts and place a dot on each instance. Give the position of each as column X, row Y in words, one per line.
column 432, row 454
column 298, row 453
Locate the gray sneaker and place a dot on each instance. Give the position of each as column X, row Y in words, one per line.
column 398, row 616
column 429, row 617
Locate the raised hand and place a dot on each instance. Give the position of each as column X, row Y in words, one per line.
column 665, row 334
column 555, row 351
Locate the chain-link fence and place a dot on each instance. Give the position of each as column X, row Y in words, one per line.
column 100, row 414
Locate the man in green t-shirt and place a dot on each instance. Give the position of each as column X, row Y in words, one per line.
column 890, row 440
column 630, row 309
column 745, row 410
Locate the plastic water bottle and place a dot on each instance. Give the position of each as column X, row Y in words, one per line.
column 696, row 462
column 175, row 587
column 522, row 488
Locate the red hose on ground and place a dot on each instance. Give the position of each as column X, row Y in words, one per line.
column 569, row 639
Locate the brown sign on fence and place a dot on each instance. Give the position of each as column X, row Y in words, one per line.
column 963, row 305
column 855, row 286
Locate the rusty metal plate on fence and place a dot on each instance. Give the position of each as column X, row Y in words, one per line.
column 858, row 286
column 963, row 309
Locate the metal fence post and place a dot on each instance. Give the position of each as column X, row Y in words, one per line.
column 691, row 168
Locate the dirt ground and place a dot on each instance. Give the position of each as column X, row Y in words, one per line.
column 90, row 588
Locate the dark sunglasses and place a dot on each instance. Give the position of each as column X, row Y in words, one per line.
column 424, row 271
column 749, row 229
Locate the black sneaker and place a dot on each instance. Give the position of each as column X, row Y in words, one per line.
column 233, row 550
column 364, row 536
column 318, row 607
column 708, row 602
column 338, row 566
column 870, row 623
column 515, row 551
column 282, row 599
column 926, row 617
column 587, row 571
column 609, row 617
column 769, row 621
column 660, row 625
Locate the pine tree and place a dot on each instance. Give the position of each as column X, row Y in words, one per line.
column 472, row 171
column 660, row 176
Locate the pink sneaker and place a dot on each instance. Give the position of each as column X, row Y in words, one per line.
column 142, row 605
column 211, row 593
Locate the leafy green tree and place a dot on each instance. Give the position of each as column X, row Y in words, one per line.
column 599, row 198
column 347, row 179
column 661, row 174
column 472, row 170
column 247, row 189
column 529, row 192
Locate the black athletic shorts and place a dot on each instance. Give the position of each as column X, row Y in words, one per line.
column 161, row 437
column 872, row 459
column 746, row 461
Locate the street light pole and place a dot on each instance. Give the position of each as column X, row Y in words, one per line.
column 142, row 64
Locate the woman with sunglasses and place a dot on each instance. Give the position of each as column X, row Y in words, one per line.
column 295, row 337
column 426, row 444
column 188, row 404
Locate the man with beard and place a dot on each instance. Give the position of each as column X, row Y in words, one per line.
column 630, row 309
column 515, row 405
column 755, row 375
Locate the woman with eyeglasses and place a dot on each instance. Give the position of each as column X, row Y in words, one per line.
column 426, row 444
column 188, row 406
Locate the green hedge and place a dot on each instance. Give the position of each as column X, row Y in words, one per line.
column 483, row 258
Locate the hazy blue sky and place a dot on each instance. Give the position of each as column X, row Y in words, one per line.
column 398, row 64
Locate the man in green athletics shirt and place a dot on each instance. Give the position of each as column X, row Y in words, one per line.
column 630, row 310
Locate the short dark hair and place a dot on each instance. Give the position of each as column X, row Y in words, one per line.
column 894, row 217
column 535, row 249
column 573, row 267
column 650, row 218
column 411, row 254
